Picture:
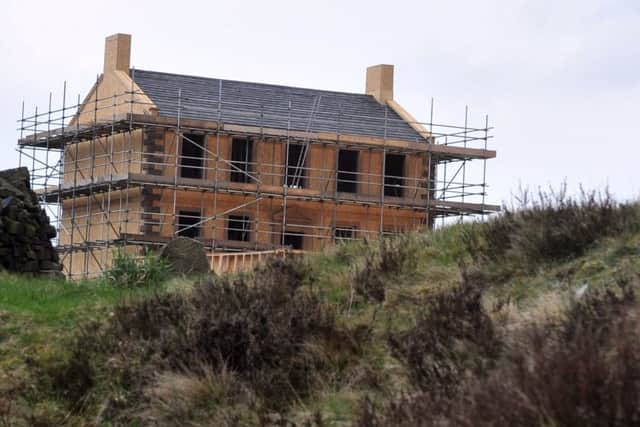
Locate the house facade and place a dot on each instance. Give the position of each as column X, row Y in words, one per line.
column 242, row 167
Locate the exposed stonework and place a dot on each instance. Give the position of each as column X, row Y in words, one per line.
column 25, row 231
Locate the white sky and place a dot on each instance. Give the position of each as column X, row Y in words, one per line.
column 560, row 80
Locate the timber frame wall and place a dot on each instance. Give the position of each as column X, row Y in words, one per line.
column 108, row 172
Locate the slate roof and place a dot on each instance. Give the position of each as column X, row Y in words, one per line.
column 258, row 104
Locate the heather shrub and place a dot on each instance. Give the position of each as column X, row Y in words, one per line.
column 269, row 331
column 453, row 338
column 417, row 409
column 551, row 227
column 583, row 370
column 602, row 308
column 200, row 395
column 391, row 262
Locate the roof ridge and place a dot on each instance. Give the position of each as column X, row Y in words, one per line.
column 254, row 83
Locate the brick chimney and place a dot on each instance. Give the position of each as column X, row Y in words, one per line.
column 117, row 53
column 380, row 82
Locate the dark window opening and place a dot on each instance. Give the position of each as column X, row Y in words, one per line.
column 394, row 175
column 192, row 156
column 296, row 174
column 238, row 228
column 348, row 171
column 241, row 158
column 187, row 221
column 344, row 233
column 293, row 239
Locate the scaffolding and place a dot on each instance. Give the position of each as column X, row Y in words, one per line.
column 113, row 172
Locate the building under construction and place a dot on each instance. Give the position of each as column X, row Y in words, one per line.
column 245, row 168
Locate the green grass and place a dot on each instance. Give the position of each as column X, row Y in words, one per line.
column 59, row 303
column 38, row 314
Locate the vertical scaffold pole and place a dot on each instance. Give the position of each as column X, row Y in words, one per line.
column 92, row 156
column 176, row 164
column 33, row 149
column 21, row 134
column 61, row 166
column 484, row 164
column 334, row 217
column 129, row 160
column 427, row 218
column 464, row 161
column 286, row 177
column 72, row 244
column 384, row 171
column 216, row 177
column 46, row 153
column 258, row 176
column 431, row 140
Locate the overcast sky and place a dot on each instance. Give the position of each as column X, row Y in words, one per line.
column 560, row 80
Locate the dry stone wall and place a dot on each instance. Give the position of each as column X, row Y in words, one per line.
column 25, row 230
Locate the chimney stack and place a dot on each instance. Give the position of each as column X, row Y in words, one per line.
column 117, row 53
column 380, row 82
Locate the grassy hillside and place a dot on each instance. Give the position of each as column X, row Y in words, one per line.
column 529, row 319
